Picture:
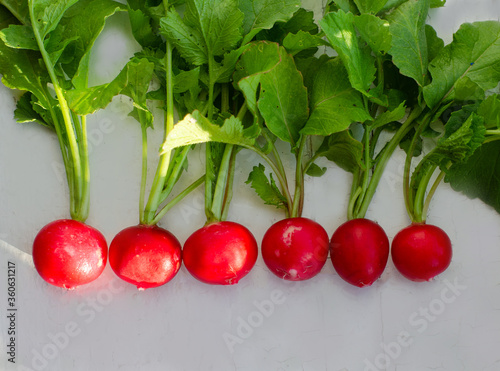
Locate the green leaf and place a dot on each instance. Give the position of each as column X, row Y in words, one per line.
column 302, row 20
column 218, row 21
column 316, row 171
column 390, row 4
column 479, row 176
column 26, row 111
column 399, row 87
column 266, row 188
column 188, row 41
column 195, row 128
column 345, row 5
column 153, row 9
column 457, row 118
column 19, row 9
column 473, row 57
column 389, row 116
column 335, row 105
column 406, row 144
column 223, row 72
column 186, row 80
column 57, row 44
column 83, row 22
column 260, row 57
column 88, row 100
column 132, row 81
column 437, row 3
column 263, row 14
column 409, row 40
column 309, row 68
column 139, row 75
column 434, row 43
column 375, row 31
column 142, row 28
column 370, row 6
column 357, row 58
column 283, row 100
column 344, row 150
column 458, row 144
column 489, row 109
column 19, row 37
column 295, row 43
column 48, row 13
column 21, row 70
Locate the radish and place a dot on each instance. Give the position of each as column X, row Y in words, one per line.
column 295, row 249
column 359, row 250
column 145, row 256
column 220, row 253
column 284, row 118
column 68, row 253
column 401, row 98
column 421, row 251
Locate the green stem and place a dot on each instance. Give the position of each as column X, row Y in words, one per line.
column 174, row 173
column 431, row 194
column 280, row 168
column 74, row 160
column 407, row 191
column 66, row 162
column 418, row 213
column 144, row 174
column 171, row 166
column 177, row 199
column 85, row 199
column 220, row 186
column 209, row 177
column 382, row 160
column 374, row 140
column 491, row 139
column 228, row 190
column 311, row 161
column 492, row 132
column 209, row 171
column 279, row 175
column 366, row 173
column 229, row 186
column 355, row 193
column 298, row 198
column 154, row 200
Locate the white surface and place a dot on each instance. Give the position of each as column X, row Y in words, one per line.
column 262, row 323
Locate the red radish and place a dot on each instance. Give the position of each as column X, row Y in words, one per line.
column 295, row 249
column 359, row 250
column 144, row 255
column 220, row 253
column 68, row 253
column 421, row 251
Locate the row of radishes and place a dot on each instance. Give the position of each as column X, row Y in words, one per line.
column 68, row 253
column 242, row 79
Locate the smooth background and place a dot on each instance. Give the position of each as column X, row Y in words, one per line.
column 263, row 323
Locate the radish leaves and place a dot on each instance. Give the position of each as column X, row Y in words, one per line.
column 468, row 66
